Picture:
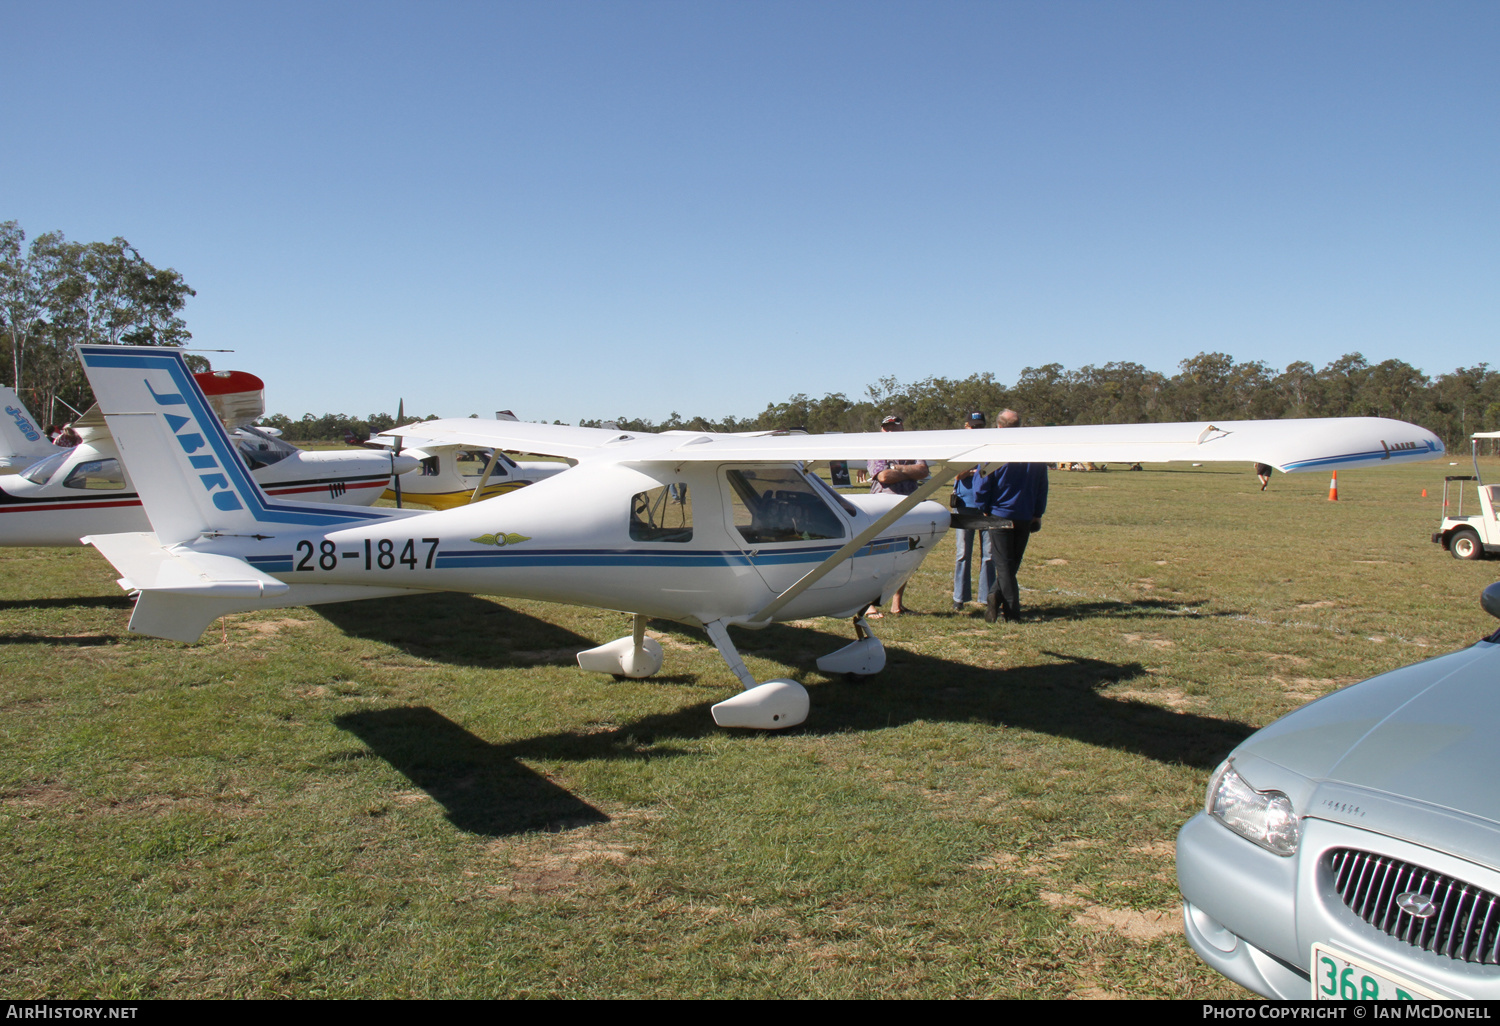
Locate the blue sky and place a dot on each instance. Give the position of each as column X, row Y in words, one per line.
column 629, row 208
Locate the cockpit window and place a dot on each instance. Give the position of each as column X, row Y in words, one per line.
column 96, row 474
column 259, row 449
column 42, row 472
column 777, row 504
column 662, row 514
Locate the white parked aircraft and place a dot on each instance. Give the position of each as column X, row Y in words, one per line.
column 69, row 492
column 705, row 530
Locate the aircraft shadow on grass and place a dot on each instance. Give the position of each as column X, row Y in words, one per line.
column 483, row 787
column 461, row 630
column 487, row 790
column 1161, row 609
column 121, row 601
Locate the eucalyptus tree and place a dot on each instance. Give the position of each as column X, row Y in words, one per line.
column 28, row 277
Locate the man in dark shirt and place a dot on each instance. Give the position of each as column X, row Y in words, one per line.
column 1016, row 492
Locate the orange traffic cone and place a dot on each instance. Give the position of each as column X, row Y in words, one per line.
column 1424, row 493
column 1333, row 488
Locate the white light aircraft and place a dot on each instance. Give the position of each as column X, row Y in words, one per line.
column 62, row 493
column 705, row 530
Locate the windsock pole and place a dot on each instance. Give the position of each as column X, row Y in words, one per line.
column 1333, row 488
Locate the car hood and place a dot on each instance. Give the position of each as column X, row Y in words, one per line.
column 1425, row 732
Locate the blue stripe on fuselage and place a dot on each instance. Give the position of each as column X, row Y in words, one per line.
column 516, row 556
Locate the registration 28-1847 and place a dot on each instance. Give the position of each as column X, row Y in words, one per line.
column 385, row 554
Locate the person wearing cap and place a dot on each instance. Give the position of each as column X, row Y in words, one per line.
column 899, row 477
column 966, row 500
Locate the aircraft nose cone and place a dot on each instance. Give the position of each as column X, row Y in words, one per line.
column 405, row 464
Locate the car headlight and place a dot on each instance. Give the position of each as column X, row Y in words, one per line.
column 1265, row 817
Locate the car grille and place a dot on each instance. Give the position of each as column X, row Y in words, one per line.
column 1466, row 925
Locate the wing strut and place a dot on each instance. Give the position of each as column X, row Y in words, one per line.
column 489, row 469
column 944, row 476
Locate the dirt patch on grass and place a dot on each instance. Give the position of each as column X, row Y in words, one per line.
column 994, row 860
column 1169, row 697
column 547, row 865
column 1137, row 639
column 1140, row 926
column 43, row 795
column 1045, row 862
column 1308, row 688
column 668, row 641
column 1077, row 897
column 1156, row 849
column 1097, row 994
column 1323, row 604
column 1294, row 660
column 56, row 797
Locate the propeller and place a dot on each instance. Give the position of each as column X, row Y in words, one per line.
column 396, row 450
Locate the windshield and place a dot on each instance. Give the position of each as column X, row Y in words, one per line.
column 260, row 449
column 844, row 504
column 777, row 504
column 42, row 472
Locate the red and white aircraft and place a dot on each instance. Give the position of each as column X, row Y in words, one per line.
column 57, row 494
column 712, row 531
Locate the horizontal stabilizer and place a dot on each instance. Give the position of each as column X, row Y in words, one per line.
column 183, row 591
column 146, row 565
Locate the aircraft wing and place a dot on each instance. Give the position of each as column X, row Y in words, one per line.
column 542, row 439
column 1288, row 445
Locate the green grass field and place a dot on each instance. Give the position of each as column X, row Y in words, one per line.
column 425, row 797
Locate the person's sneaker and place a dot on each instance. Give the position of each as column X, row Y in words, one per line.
column 958, row 607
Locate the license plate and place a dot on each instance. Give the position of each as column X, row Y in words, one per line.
column 1338, row 976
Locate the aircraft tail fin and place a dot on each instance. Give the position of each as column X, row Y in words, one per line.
column 22, row 442
column 186, row 468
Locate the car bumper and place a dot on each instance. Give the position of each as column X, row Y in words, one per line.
column 1254, row 916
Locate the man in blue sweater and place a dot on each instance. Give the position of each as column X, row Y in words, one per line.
column 1016, row 492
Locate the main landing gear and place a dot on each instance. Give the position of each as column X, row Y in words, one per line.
column 773, row 705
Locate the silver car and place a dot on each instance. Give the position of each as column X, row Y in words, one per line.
column 1351, row 849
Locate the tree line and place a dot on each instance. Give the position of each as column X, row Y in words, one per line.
column 55, row 294
column 1209, row 386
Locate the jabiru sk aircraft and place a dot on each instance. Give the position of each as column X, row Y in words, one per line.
column 707, row 530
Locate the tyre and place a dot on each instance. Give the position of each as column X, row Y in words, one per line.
column 1464, row 544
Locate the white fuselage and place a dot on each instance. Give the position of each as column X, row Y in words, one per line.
column 576, row 538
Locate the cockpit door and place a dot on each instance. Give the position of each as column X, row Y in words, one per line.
column 784, row 524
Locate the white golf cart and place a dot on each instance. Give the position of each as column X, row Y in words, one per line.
column 1475, row 534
